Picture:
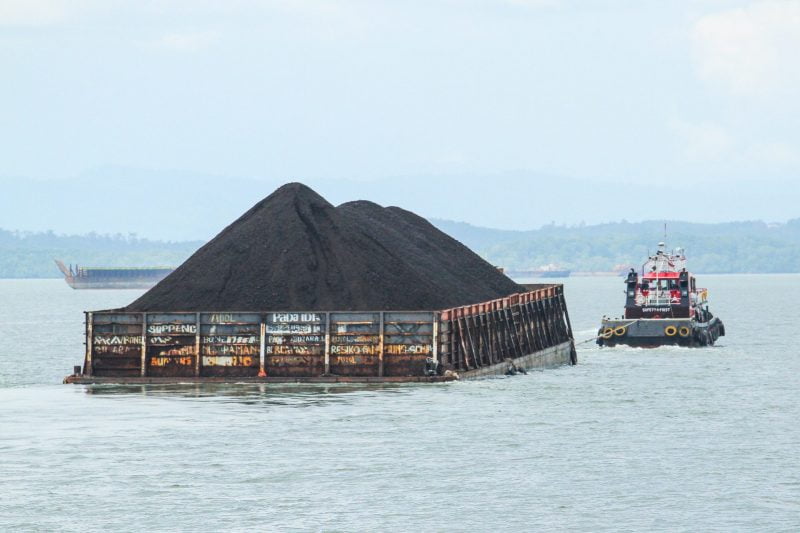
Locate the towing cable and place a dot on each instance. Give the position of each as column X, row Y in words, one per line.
column 601, row 335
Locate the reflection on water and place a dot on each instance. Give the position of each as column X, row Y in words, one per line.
column 287, row 394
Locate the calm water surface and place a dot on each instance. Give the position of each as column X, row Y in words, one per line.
column 629, row 440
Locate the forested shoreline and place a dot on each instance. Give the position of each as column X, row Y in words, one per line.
column 731, row 247
column 734, row 247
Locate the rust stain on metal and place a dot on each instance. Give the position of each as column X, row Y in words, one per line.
column 236, row 349
column 100, row 339
column 165, row 361
column 405, row 349
column 232, row 360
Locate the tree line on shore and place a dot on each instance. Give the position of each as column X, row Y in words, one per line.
column 731, row 247
column 734, row 247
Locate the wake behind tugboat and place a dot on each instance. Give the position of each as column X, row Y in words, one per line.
column 664, row 308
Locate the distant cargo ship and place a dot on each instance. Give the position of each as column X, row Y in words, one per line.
column 112, row 277
column 545, row 271
column 618, row 270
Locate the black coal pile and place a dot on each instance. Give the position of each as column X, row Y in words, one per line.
column 294, row 251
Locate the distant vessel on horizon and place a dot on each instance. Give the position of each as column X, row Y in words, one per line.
column 544, row 271
column 112, row 277
column 618, row 270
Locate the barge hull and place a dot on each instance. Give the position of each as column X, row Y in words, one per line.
column 132, row 284
column 91, row 380
column 652, row 333
column 555, row 356
column 522, row 331
column 112, row 278
column 549, row 358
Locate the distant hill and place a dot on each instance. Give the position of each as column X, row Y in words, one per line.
column 711, row 248
column 183, row 205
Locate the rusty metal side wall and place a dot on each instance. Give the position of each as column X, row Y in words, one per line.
column 114, row 344
column 407, row 342
column 312, row 344
column 170, row 344
column 485, row 334
column 291, row 344
column 355, row 344
column 229, row 344
column 295, row 344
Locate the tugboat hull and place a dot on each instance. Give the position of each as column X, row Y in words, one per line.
column 651, row 333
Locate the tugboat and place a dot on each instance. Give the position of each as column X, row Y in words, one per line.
column 663, row 307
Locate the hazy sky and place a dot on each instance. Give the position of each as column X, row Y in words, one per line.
column 686, row 92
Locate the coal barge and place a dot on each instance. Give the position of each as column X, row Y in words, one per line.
column 663, row 307
column 297, row 290
column 504, row 336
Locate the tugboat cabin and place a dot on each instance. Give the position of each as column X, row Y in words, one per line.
column 665, row 290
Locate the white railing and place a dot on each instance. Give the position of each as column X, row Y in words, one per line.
column 664, row 297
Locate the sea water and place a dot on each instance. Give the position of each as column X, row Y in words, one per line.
column 628, row 440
